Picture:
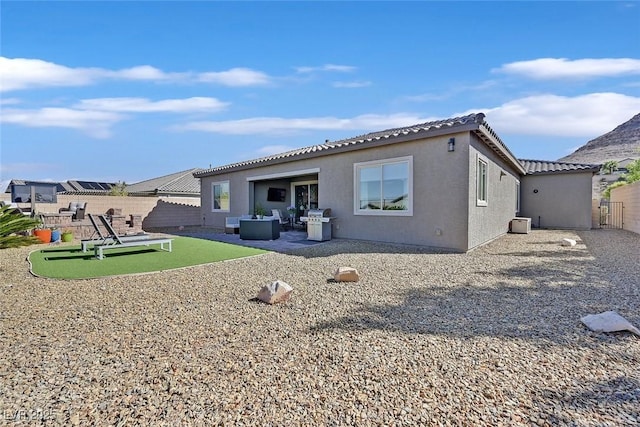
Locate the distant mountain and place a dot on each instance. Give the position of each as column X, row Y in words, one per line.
column 621, row 143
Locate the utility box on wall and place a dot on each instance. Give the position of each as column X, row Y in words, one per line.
column 521, row 225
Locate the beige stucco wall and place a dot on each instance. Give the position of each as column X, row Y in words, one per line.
column 562, row 200
column 490, row 221
column 440, row 188
column 629, row 195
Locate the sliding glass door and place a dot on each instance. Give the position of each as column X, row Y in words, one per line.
column 305, row 197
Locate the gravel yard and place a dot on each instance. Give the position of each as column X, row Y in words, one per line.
column 492, row 337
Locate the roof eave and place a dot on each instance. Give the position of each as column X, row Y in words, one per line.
column 592, row 170
column 489, row 137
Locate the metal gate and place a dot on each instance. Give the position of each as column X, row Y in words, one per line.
column 611, row 214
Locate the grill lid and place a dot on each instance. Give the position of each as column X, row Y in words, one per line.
column 319, row 213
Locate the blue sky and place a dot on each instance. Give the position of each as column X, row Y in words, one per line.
column 128, row 91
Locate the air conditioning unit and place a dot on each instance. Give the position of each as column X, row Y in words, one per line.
column 521, row 225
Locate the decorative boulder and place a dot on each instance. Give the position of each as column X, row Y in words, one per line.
column 346, row 274
column 276, row 292
column 568, row 242
column 609, row 321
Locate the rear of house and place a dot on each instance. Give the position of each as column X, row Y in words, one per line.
column 449, row 184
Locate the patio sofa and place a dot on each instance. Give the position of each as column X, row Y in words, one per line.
column 232, row 224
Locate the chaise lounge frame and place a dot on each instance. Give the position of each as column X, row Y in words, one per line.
column 118, row 242
column 102, row 239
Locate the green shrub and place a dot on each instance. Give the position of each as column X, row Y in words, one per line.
column 15, row 227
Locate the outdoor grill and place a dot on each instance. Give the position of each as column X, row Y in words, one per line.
column 319, row 224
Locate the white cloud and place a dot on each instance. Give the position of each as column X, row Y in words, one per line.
column 143, row 105
column 563, row 68
column 327, row 67
column 278, row 125
column 94, row 123
column 235, row 77
column 553, row 115
column 143, row 72
column 10, row 101
column 355, row 84
column 24, row 73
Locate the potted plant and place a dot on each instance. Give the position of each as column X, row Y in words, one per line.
column 67, row 235
column 260, row 211
column 55, row 234
column 43, row 233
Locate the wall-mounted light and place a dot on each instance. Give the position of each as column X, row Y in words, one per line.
column 452, row 144
column 502, row 173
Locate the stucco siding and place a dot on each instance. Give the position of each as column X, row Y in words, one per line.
column 438, row 196
column 486, row 222
column 629, row 195
column 439, row 191
column 557, row 200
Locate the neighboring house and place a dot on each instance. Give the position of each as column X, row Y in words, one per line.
column 557, row 194
column 21, row 188
column 179, row 184
column 449, row 184
column 603, row 179
column 168, row 201
column 68, row 187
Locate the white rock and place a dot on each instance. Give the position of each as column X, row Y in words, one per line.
column 346, row 274
column 609, row 321
column 568, row 242
column 276, row 292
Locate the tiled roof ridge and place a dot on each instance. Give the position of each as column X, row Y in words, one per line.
column 552, row 166
column 556, row 161
column 181, row 176
column 178, row 175
column 168, row 201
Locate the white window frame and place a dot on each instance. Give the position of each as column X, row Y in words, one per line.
column 482, row 182
column 213, row 200
column 357, row 167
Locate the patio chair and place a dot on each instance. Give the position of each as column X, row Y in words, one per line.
column 78, row 209
column 98, row 238
column 277, row 214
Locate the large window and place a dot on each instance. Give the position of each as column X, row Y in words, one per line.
column 481, row 183
column 220, row 198
column 384, row 187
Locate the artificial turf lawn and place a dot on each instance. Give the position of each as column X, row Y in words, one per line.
column 69, row 262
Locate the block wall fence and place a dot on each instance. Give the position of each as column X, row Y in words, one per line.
column 629, row 195
column 155, row 212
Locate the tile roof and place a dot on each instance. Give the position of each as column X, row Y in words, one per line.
column 472, row 122
column 182, row 182
column 534, row 167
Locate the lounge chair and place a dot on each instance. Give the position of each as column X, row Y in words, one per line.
column 98, row 238
column 118, row 241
